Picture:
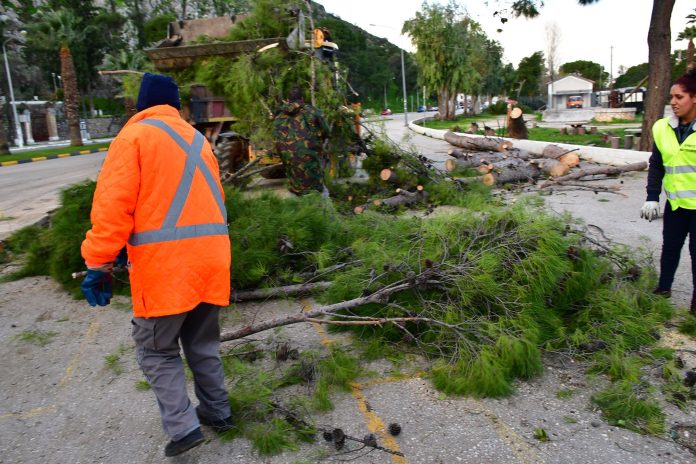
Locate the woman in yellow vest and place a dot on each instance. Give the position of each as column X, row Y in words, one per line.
column 673, row 166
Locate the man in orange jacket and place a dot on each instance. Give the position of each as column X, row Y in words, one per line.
column 159, row 192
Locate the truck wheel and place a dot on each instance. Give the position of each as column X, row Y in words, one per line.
column 276, row 172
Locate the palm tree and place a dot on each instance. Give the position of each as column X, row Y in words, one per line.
column 689, row 34
column 58, row 31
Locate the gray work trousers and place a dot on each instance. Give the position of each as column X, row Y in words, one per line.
column 157, row 352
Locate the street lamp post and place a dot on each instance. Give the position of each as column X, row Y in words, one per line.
column 19, row 141
column 403, row 77
column 403, row 83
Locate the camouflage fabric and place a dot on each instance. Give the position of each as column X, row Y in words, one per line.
column 298, row 132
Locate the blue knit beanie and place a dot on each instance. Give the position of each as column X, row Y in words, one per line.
column 157, row 89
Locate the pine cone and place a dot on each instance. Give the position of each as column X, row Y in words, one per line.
column 394, row 429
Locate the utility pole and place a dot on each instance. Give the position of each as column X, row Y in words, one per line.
column 611, row 67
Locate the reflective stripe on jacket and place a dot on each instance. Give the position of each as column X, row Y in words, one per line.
column 680, row 165
column 159, row 189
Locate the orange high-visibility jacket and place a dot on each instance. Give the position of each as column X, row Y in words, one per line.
column 159, row 191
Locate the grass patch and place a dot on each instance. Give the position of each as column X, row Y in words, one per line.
column 627, row 404
column 112, row 361
column 688, row 326
column 36, row 337
column 253, row 390
column 564, row 394
column 143, row 385
column 51, row 151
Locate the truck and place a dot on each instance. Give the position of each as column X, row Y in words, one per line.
column 208, row 112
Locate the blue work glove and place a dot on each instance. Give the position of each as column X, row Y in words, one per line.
column 122, row 258
column 97, row 287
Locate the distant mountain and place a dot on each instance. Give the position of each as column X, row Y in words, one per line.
column 374, row 63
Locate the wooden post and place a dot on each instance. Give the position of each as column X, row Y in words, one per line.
column 593, row 129
column 628, row 141
column 636, row 142
column 574, row 130
column 564, row 131
column 581, row 130
column 614, row 142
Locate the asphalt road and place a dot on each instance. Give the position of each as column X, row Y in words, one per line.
column 61, row 403
column 29, row 191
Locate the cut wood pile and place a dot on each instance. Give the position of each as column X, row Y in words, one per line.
column 499, row 162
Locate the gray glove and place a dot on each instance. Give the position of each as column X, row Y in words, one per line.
column 650, row 210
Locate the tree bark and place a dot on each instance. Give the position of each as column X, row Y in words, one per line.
column 279, row 292
column 71, row 96
column 4, row 144
column 517, row 129
column 402, row 198
column 608, row 170
column 477, row 143
column 561, row 154
column 659, row 68
column 475, row 159
column 513, row 173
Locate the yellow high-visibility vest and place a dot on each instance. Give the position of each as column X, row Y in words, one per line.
column 680, row 165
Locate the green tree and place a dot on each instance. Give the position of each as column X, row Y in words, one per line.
column 633, row 76
column 529, row 74
column 587, row 69
column 59, row 31
column 659, row 75
column 444, row 39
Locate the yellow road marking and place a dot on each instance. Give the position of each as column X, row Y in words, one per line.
column 39, row 158
column 63, row 155
column 90, row 335
column 517, row 444
column 374, row 423
column 31, row 413
column 8, row 163
column 85, row 152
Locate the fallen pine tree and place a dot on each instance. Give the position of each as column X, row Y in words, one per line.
column 482, row 294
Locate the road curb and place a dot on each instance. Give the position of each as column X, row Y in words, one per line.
column 50, row 157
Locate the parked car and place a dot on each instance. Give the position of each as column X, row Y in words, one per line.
column 432, row 108
column 421, row 109
column 386, row 112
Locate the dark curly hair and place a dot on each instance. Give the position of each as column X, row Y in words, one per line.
column 688, row 82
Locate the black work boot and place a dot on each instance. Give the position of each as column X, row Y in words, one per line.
column 218, row 425
column 191, row 440
column 662, row 292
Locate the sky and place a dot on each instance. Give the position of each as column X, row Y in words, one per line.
column 612, row 33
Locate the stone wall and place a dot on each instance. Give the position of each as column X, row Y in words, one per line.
column 610, row 114
column 105, row 127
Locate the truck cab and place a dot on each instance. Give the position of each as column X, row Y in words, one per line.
column 574, row 101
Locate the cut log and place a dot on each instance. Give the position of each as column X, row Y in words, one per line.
column 552, row 167
column 561, row 154
column 606, row 170
column 517, row 129
column 526, row 173
column 389, row 175
column 509, row 170
column 402, row 198
column 477, row 143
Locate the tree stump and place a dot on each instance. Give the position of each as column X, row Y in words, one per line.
column 517, row 129
column 614, row 142
column 628, row 141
